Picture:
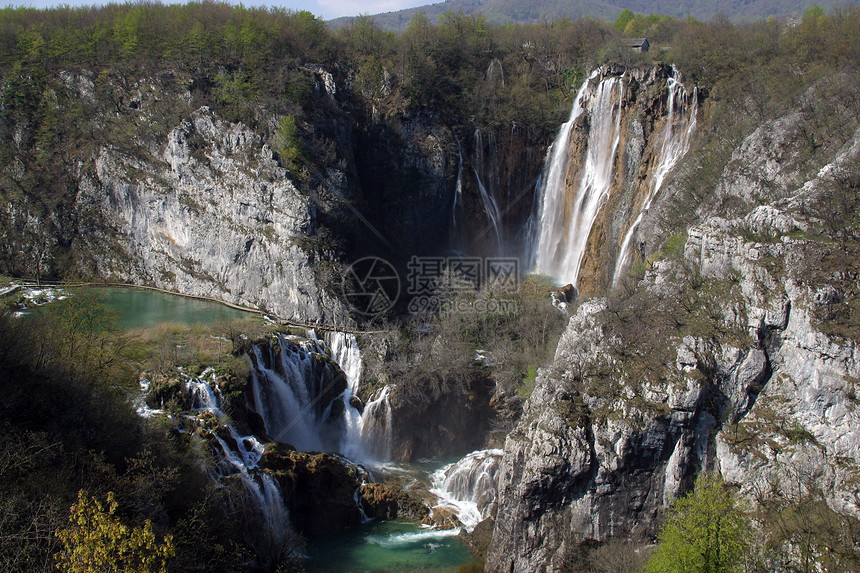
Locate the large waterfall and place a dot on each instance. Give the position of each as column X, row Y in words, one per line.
column 563, row 225
column 680, row 124
column 469, row 486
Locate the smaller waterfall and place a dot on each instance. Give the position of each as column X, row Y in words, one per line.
column 203, row 396
column 496, row 64
column 457, row 208
column 240, row 456
column 377, row 423
column 141, row 407
column 346, row 353
column 676, row 143
column 261, row 486
column 491, row 207
column 469, row 486
column 563, row 226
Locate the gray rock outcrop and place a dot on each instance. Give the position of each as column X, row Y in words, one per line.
column 213, row 215
column 762, row 394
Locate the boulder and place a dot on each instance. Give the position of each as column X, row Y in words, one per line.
column 318, row 489
column 386, row 501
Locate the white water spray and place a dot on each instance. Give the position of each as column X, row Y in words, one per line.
column 355, row 444
column 469, row 486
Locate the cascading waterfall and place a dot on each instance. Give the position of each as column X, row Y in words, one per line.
column 304, row 403
column 262, row 487
column 680, row 125
column 377, row 423
column 240, row 457
column 469, row 486
column 283, row 399
column 563, row 227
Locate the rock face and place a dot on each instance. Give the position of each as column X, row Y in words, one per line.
column 319, row 490
column 761, row 395
column 801, row 426
column 388, row 501
column 215, row 215
column 587, row 467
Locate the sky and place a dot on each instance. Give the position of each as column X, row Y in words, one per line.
column 327, row 9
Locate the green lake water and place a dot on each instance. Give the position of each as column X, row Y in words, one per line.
column 143, row 308
column 387, row 546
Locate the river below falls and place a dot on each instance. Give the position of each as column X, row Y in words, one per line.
column 394, row 545
column 388, row 546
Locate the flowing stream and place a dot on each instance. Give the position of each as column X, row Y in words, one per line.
column 467, row 487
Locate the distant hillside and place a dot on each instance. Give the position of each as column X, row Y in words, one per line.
column 530, row 11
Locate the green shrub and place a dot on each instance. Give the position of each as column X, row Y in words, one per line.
column 287, row 143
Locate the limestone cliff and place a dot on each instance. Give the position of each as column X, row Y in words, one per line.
column 213, row 214
column 734, row 354
column 172, row 191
